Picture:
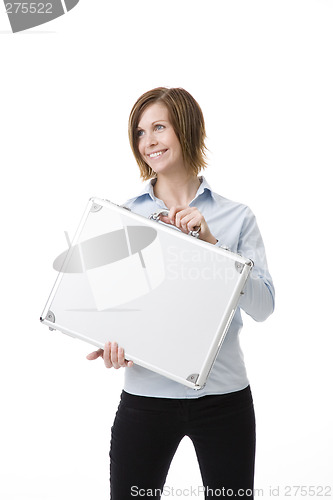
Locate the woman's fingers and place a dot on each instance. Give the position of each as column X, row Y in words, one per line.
column 121, row 358
column 175, row 212
column 95, row 354
column 172, row 213
column 114, row 356
column 186, row 218
column 107, row 354
column 192, row 220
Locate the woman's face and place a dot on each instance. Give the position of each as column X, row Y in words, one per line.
column 157, row 141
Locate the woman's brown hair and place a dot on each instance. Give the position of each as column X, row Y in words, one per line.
column 188, row 123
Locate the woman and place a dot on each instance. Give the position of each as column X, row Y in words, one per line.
column 167, row 133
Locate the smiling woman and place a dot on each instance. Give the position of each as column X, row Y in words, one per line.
column 167, row 107
column 167, row 134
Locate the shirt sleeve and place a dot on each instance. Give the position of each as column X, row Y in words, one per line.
column 258, row 299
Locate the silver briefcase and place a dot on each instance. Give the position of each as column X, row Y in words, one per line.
column 165, row 296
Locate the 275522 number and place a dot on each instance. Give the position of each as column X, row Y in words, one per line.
column 28, row 8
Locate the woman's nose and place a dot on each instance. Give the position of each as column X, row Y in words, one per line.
column 150, row 139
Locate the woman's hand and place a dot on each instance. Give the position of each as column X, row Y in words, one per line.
column 189, row 219
column 114, row 356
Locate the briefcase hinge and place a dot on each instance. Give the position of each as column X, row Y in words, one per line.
column 50, row 317
column 193, row 377
column 95, row 207
column 239, row 267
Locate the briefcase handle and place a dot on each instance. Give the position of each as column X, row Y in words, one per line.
column 163, row 211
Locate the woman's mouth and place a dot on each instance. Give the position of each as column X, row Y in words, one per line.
column 157, row 154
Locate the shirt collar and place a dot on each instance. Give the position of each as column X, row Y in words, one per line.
column 149, row 189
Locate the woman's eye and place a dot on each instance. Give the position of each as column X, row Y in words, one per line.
column 139, row 133
column 159, row 127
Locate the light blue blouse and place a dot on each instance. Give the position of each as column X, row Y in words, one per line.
column 234, row 225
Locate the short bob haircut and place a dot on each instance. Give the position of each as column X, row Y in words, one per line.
column 188, row 123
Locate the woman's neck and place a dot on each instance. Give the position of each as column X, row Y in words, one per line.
column 176, row 190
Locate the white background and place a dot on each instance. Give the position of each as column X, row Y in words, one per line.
column 262, row 73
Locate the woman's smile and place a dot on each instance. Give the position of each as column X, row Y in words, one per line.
column 157, row 154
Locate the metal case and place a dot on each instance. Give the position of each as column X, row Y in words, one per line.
column 166, row 297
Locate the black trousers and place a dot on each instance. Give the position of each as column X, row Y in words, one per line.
column 147, row 431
